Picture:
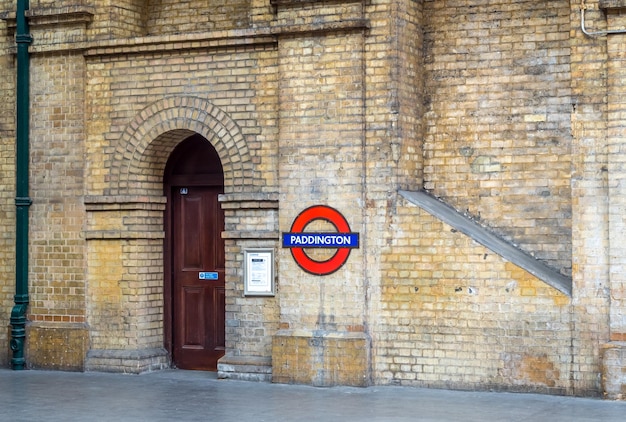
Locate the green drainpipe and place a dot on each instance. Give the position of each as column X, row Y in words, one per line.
column 22, row 200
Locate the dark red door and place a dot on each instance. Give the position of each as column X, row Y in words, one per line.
column 194, row 305
column 198, row 297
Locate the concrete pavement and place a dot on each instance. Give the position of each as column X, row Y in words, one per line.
column 175, row 395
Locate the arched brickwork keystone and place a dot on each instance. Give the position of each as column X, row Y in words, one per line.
column 137, row 165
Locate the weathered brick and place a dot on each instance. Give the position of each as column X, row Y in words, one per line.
column 505, row 110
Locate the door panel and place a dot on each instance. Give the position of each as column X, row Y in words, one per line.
column 192, row 244
column 198, row 278
column 193, row 328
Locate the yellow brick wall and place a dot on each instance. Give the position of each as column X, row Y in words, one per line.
column 614, row 374
column 105, row 294
column 323, row 360
column 126, row 302
column 57, row 247
column 407, row 73
column 455, row 315
column 124, row 295
column 250, row 223
column 142, row 103
column 498, row 132
column 136, row 18
column 170, row 16
column 500, row 108
column 321, row 162
column 589, row 192
column 486, row 150
column 225, row 79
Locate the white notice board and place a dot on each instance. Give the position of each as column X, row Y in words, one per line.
column 259, row 272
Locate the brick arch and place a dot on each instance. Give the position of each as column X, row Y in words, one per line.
column 139, row 159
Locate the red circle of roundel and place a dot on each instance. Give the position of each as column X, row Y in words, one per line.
column 320, row 212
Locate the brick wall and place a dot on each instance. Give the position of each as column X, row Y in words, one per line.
column 321, row 127
column 498, row 132
column 455, row 315
column 589, row 194
column 504, row 109
column 170, row 16
column 227, row 117
column 321, row 162
column 251, row 222
column 614, row 374
column 57, row 247
column 503, row 117
column 221, row 82
column 57, row 157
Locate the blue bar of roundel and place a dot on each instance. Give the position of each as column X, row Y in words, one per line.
column 320, row 240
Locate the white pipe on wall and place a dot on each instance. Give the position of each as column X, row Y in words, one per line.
column 583, row 7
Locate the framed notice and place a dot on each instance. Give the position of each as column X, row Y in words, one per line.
column 259, row 272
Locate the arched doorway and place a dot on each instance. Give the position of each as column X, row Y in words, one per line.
column 194, row 256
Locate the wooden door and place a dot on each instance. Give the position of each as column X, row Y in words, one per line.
column 198, row 277
column 194, row 306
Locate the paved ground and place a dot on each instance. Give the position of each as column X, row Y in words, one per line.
column 198, row 396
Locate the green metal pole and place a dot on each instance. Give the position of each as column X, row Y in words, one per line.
column 22, row 199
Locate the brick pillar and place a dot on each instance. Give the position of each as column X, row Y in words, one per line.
column 125, row 283
column 322, row 340
column 120, row 18
column 250, row 221
column 614, row 353
column 590, row 226
column 57, row 337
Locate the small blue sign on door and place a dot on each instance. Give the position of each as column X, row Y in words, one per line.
column 207, row 276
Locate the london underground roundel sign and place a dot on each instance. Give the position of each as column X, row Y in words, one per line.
column 343, row 240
